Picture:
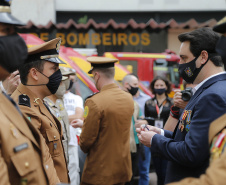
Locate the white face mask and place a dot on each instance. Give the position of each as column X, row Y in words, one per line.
column 61, row 91
column 66, row 83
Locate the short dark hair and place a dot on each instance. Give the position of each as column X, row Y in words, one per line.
column 203, row 39
column 107, row 72
column 25, row 68
column 167, row 82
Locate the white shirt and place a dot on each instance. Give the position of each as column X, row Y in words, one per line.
column 2, row 87
column 71, row 102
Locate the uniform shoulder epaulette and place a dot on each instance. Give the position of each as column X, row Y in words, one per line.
column 91, row 95
column 24, row 100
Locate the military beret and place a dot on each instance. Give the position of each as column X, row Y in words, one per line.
column 67, row 71
column 101, row 62
column 220, row 27
column 47, row 51
column 6, row 16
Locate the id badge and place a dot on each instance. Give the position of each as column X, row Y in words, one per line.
column 159, row 123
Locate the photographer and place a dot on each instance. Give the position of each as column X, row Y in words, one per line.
column 180, row 102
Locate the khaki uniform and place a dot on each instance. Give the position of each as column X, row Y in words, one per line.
column 49, row 127
column 215, row 173
column 60, row 113
column 24, row 156
column 106, row 137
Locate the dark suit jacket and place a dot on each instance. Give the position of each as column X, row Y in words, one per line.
column 188, row 151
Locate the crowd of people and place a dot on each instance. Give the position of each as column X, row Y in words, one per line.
column 47, row 135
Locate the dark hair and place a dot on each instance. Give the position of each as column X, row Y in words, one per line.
column 203, row 39
column 25, row 69
column 167, row 82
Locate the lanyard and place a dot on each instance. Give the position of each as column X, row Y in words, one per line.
column 159, row 109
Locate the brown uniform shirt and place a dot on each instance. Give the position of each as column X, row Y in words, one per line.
column 106, row 137
column 22, row 152
column 49, row 127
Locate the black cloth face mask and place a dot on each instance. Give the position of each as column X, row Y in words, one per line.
column 160, row 91
column 133, row 90
column 54, row 81
column 13, row 52
column 221, row 48
column 189, row 71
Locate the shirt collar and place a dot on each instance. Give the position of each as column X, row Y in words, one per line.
column 201, row 83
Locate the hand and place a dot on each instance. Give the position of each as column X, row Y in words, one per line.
column 77, row 123
column 145, row 137
column 138, row 123
column 10, row 83
column 177, row 99
column 148, row 128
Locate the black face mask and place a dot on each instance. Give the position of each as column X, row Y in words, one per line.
column 71, row 84
column 221, row 48
column 13, row 52
column 189, row 71
column 54, row 81
column 160, row 91
column 133, row 90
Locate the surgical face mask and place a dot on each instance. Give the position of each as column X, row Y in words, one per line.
column 70, row 84
column 133, row 90
column 13, row 52
column 54, row 81
column 160, row 91
column 61, row 91
column 67, row 83
column 221, row 48
column 189, row 71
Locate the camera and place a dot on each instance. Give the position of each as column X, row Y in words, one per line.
column 187, row 94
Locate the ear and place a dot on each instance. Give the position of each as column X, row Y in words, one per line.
column 204, row 56
column 33, row 74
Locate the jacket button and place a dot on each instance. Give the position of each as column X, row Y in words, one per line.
column 26, row 164
column 54, row 137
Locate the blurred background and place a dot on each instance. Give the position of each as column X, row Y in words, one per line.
column 142, row 34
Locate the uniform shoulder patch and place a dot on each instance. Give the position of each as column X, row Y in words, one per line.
column 24, row 100
column 91, row 95
column 86, row 111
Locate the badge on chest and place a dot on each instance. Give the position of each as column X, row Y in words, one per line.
column 24, row 100
column 185, row 120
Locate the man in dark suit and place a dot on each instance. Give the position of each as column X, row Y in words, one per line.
column 215, row 173
column 187, row 148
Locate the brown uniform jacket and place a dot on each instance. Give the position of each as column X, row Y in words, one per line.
column 216, row 172
column 106, row 137
column 23, row 155
column 49, row 127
